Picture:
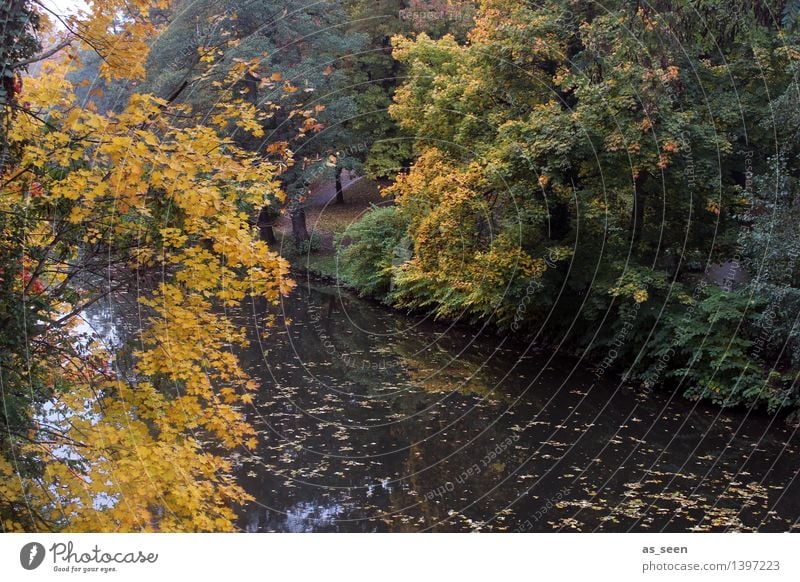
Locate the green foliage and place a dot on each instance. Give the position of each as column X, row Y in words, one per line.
column 388, row 150
column 372, row 249
column 791, row 14
column 299, row 57
column 589, row 166
column 376, row 74
column 706, row 348
column 310, row 245
column 23, row 382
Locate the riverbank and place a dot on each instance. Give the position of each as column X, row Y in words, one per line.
column 376, row 420
column 327, row 223
column 702, row 376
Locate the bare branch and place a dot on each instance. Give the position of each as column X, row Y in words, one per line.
column 45, row 54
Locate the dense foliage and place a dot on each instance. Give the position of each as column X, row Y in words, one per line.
column 619, row 179
column 375, row 245
column 90, row 202
column 300, row 58
column 582, row 171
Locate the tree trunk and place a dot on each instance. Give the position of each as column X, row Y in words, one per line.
column 267, row 234
column 265, row 222
column 299, row 229
column 339, row 193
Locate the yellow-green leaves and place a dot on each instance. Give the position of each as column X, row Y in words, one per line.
column 133, row 452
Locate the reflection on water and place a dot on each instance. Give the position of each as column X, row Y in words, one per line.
column 374, row 421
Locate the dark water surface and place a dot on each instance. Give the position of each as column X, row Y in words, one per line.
column 374, row 421
column 371, row 420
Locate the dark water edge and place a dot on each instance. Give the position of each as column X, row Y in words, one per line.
column 372, row 420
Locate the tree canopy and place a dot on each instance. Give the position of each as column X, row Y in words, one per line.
column 615, row 178
column 89, row 202
column 589, row 162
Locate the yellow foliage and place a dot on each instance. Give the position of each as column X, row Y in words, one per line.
column 123, row 54
column 446, row 201
column 132, row 453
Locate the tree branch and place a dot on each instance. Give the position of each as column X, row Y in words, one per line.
column 45, row 54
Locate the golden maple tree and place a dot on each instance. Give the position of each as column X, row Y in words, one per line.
column 129, row 192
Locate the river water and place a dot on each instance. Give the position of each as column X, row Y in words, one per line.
column 372, row 420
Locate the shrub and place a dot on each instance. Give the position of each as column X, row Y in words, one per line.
column 310, row 245
column 707, row 346
column 376, row 245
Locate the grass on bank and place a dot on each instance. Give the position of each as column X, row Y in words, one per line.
column 327, row 222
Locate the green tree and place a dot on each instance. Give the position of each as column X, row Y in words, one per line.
column 585, row 160
column 299, row 56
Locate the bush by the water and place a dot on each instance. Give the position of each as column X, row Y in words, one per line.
column 372, row 248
